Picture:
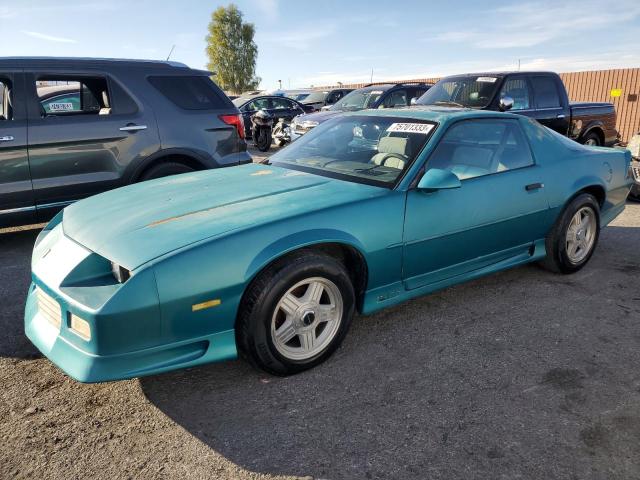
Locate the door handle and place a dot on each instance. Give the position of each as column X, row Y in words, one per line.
column 534, row 186
column 133, row 128
column 7, row 138
column 560, row 115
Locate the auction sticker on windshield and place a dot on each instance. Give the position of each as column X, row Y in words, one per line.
column 410, row 127
column 486, row 79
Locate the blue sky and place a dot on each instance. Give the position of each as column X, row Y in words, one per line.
column 321, row 42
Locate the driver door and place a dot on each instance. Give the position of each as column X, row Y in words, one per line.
column 496, row 215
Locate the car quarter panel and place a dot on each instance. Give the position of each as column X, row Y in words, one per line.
column 570, row 168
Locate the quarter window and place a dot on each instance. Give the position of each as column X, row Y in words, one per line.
column 5, row 100
column 545, row 90
column 518, row 90
column 191, row 92
column 66, row 96
column 474, row 148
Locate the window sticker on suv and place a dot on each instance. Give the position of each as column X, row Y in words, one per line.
column 61, row 107
column 424, row 128
column 486, row 79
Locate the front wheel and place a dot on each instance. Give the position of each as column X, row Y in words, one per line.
column 296, row 313
column 574, row 237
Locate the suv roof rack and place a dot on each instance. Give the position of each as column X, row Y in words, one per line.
column 398, row 84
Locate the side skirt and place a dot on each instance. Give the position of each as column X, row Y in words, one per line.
column 396, row 293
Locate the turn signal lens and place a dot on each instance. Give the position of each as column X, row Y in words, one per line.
column 235, row 120
column 80, row 327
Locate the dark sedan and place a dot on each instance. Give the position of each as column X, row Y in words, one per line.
column 279, row 107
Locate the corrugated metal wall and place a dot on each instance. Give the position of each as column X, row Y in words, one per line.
column 595, row 86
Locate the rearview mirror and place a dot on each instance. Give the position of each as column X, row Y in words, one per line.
column 506, row 103
column 437, row 179
column 413, row 101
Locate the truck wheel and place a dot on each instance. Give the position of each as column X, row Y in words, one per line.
column 164, row 170
column 296, row 313
column 592, row 140
column 574, row 237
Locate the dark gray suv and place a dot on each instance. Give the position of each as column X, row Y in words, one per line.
column 71, row 128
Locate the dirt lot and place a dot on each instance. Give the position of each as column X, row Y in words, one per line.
column 524, row 374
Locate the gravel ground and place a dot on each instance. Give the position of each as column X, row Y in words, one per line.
column 521, row 375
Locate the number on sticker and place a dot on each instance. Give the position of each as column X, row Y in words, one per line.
column 410, row 127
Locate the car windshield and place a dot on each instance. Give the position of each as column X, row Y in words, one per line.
column 358, row 100
column 474, row 91
column 315, row 97
column 358, row 148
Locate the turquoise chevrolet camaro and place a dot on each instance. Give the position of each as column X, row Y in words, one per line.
column 272, row 261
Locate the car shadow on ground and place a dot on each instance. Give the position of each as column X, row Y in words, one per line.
column 523, row 374
column 15, row 265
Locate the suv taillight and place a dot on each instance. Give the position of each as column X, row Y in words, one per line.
column 235, row 120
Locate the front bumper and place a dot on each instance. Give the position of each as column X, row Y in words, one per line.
column 83, row 366
column 127, row 337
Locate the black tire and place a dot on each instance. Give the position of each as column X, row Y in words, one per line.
column 253, row 325
column 592, row 137
column 164, row 170
column 263, row 142
column 557, row 259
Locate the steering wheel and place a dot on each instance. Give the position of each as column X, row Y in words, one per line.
column 388, row 156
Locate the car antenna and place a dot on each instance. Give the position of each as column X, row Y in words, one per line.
column 170, row 52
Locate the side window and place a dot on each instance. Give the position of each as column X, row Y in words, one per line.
column 281, row 103
column 416, row 93
column 397, row 98
column 518, row 89
column 5, row 100
column 258, row 104
column 474, row 148
column 546, row 92
column 66, row 96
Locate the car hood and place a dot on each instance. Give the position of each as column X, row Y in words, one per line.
column 318, row 116
column 137, row 223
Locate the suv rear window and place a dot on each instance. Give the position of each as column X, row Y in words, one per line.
column 190, row 93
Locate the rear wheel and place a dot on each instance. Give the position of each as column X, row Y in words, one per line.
column 592, row 139
column 263, row 142
column 574, row 237
column 296, row 313
column 164, row 170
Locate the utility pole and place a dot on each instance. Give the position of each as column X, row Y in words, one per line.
column 371, row 76
column 518, row 64
column 280, row 84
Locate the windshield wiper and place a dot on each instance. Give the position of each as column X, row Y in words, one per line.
column 370, row 170
column 449, row 102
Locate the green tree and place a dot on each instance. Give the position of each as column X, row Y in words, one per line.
column 231, row 50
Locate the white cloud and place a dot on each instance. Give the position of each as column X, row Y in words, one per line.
column 268, row 8
column 298, row 39
column 48, row 38
column 530, row 24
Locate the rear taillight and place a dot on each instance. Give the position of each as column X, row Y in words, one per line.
column 235, row 120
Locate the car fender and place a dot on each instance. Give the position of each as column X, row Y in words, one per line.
column 136, row 168
column 589, row 127
column 298, row 240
